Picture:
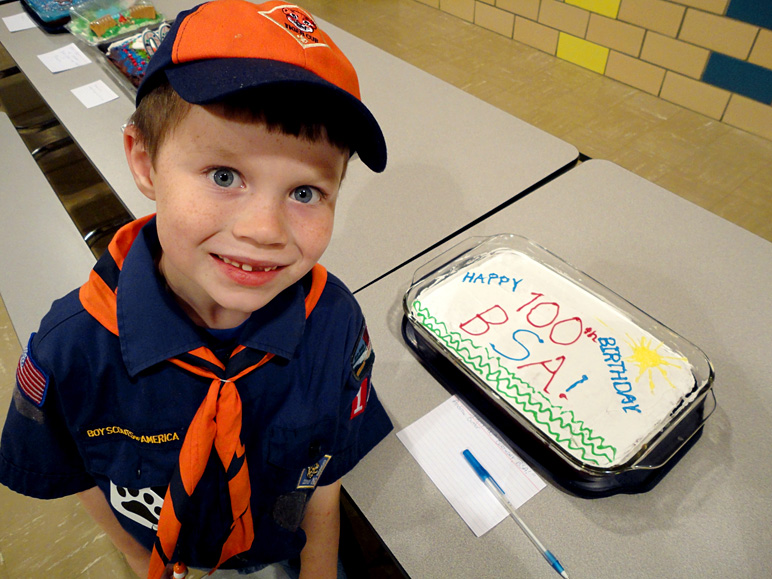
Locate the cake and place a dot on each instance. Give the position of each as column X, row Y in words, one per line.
column 577, row 368
column 132, row 54
column 98, row 21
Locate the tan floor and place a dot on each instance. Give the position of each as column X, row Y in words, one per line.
column 725, row 170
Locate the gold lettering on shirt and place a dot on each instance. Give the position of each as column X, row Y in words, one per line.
column 143, row 438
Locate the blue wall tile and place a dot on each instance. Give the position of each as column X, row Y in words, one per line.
column 738, row 76
column 758, row 12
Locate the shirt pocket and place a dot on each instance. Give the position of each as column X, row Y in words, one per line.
column 296, row 458
column 292, row 452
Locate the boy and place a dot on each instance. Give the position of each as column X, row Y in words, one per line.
column 208, row 386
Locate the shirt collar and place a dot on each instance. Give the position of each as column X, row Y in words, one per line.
column 153, row 327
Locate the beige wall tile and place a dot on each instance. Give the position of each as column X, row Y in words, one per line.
column 721, row 34
column 494, row 19
column 564, row 17
column 615, row 34
column 761, row 53
column 461, row 8
column 715, row 6
column 527, row 8
column 491, row 2
column 749, row 115
column 675, row 55
column 634, row 72
column 656, row 15
column 537, row 35
column 432, row 3
column 694, row 95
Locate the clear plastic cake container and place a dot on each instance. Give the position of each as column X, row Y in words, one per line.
column 97, row 21
column 647, row 464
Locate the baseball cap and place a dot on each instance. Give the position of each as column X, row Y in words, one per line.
column 223, row 47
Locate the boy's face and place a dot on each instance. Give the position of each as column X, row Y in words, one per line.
column 243, row 213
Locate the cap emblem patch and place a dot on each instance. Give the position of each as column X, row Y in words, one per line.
column 296, row 23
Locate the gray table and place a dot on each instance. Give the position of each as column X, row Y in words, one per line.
column 710, row 516
column 452, row 157
column 42, row 255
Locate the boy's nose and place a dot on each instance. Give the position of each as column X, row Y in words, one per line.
column 261, row 221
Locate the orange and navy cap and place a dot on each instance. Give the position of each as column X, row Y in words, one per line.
column 223, row 47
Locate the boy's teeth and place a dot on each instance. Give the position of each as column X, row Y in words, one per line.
column 244, row 266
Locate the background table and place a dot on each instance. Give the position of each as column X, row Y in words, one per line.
column 42, row 254
column 452, row 157
column 700, row 275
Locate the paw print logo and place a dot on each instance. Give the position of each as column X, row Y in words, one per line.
column 142, row 506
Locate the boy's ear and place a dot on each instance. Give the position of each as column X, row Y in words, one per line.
column 140, row 163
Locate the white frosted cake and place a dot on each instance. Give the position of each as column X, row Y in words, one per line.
column 577, row 368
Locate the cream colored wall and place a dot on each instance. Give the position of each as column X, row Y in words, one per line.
column 658, row 46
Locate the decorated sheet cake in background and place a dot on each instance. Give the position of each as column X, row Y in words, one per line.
column 583, row 370
column 95, row 21
column 131, row 55
column 50, row 15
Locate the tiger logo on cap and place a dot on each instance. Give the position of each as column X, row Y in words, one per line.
column 299, row 19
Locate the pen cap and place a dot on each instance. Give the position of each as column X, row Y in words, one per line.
column 479, row 469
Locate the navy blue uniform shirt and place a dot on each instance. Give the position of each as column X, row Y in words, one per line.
column 112, row 412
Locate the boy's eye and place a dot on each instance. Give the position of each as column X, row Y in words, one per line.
column 306, row 194
column 224, row 177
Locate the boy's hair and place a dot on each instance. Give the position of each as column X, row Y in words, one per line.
column 276, row 107
column 269, row 62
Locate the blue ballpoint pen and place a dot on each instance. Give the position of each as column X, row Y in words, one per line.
column 494, row 487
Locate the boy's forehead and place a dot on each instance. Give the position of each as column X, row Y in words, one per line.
column 223, row 133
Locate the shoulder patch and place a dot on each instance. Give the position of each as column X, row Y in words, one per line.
column 31, row 379
column 363, row 357
column 360, row 401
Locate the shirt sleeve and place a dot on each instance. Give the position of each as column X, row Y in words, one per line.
column 363, row 421
column 38, row 456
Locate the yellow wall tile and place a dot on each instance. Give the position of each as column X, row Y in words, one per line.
column 582, row 52
column 694, row 95
column 615, row 34
column 675, row 55
column 634, row 72
column 749, row 115
column 721, row 34
column 761, row 53
column 715, row 6
column 527, row 8
column 537, row 35
column 564, row 17
column 463, row 9
column 491, row 2
column 494, row 19
column 608, row 8
column 432, row 3
column 654, row 15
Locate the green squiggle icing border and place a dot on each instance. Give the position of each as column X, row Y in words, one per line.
column 561, row 425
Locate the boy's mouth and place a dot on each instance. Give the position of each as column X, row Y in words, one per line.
column 245, row 266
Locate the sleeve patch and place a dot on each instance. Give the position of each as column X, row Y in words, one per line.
column 362, row 357
column 32, row 381
column 359, row 403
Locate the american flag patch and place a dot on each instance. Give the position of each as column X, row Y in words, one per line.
column 32, row 381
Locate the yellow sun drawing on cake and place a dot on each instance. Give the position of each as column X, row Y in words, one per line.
column 649, row 359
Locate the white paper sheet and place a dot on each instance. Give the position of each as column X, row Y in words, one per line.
column 64, row 58
column 437, row 440
column 94, row 94
column 17, row 22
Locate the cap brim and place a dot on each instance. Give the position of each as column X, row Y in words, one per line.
column 209, row 81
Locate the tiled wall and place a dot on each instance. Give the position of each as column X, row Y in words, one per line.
column 711, row 56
